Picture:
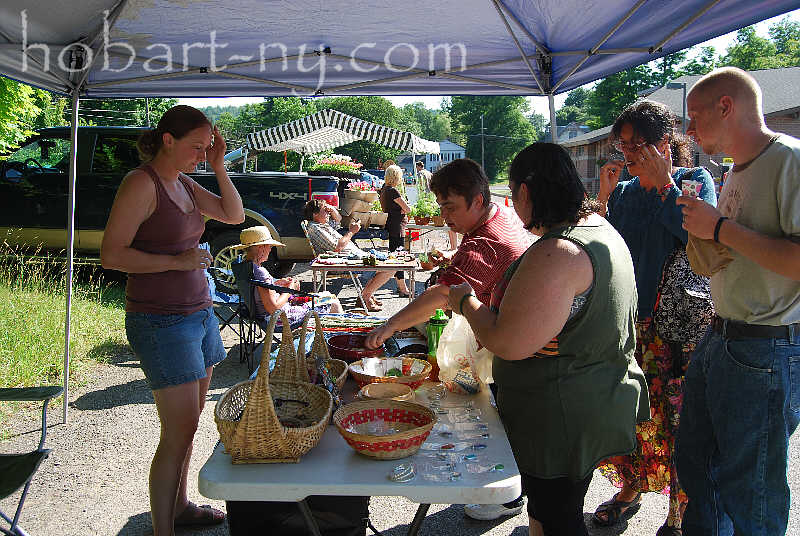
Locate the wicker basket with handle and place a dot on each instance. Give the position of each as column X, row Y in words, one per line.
column 412, row 380
column 337, row 367
column 273, row 420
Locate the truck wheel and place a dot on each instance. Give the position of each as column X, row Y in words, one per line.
column 276, row 267
column 224, row 256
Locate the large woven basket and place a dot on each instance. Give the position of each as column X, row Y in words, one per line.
column 413, row 381
column 415, row 420
column 273, row 420
column 319, row 347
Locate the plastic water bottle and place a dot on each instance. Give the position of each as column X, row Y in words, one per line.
column 436, row 325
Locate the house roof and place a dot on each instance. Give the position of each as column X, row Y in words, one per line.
column 447, row 145
column 780, row 88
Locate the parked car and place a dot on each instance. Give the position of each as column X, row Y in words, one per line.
column 34, row 189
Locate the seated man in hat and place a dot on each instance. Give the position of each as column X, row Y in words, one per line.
column 325, row 238
column 257, row 243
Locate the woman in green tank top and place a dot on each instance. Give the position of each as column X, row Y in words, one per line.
column 561, row 326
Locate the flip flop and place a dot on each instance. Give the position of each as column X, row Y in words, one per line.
column 373, row 307
column 615, row 510
column 201, row 516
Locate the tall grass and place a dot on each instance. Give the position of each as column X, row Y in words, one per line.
column 32, row 309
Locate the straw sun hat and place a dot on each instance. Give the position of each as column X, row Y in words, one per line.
column 256, row 236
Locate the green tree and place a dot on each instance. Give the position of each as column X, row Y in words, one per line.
column 507, row 129
column 751, row 52
column 667, row 67
column 434, row 125
column 702, row 63
column 539, row 124
column 786, row 36
column 577, row 97
column 18, row 112
column 612, row 94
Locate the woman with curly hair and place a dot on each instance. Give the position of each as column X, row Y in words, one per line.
column 644, row 212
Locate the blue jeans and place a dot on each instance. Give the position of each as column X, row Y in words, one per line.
column 173, row 348
column 741, row 405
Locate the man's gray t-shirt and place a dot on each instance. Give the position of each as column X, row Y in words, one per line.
column 765, row 197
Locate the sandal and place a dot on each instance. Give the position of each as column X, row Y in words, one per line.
column 199, row 516
column 404, row 294
column 614, row 510
column 373, row 307
column 666, row 530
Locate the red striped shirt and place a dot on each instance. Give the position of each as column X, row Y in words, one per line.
column 486, row 253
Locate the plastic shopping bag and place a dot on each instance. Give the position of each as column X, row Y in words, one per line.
column 462, row 366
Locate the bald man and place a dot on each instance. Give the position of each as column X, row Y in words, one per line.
column 742, row 390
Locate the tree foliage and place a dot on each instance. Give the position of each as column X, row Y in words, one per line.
column 599, row 106
column 507, row 129
column 18, row 112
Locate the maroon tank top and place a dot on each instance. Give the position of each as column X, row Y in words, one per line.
column 168, row 231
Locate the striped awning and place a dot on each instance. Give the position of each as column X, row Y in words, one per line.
column 327, row 129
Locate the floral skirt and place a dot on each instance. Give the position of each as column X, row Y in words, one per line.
column 651, row 466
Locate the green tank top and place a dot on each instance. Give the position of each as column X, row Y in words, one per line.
column 578, row 402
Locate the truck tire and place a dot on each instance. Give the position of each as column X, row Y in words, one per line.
column 277, row 267
column 224, row 256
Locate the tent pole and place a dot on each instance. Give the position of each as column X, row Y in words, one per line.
column 302, row 158
column 553, row 125
column 73, row 154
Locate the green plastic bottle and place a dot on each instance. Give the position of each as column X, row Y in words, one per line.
column 436, row 325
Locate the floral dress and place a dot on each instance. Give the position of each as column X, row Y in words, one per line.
column 650, row 226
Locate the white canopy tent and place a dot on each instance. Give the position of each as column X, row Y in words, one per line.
column 137, row 48
column 328, row 129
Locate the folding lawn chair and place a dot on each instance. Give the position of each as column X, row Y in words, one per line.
column 225, row 305
column 356, row 281
column 252, row 328
column 17, row 470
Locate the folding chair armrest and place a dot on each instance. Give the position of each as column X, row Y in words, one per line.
column 20, row 394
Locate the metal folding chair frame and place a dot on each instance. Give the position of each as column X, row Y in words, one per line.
column 34, row 458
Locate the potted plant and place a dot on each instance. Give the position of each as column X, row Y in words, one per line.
column 424, row 209
column 361, row 190
column 425, row 262
column 437, row 216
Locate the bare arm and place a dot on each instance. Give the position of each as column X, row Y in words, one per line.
column 333, row 212
column 416, row 312
column 272, row 300
column 226, row 207
column 539, row 295
column 134, row 203
column 609, row 177
column 404, row 208
column 348, row 236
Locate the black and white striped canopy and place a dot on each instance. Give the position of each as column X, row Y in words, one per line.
column 328, row 129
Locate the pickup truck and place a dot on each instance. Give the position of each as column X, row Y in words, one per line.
column 34, row 187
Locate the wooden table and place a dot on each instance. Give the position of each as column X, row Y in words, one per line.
column 333, row 468
column 411, row 266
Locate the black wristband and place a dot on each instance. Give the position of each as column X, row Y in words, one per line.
column 461, row 303
column 717, row 228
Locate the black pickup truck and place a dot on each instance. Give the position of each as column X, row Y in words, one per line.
column 34, row 186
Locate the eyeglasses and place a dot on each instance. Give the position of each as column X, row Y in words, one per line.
column 620, row 145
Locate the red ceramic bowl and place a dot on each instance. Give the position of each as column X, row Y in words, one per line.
column 351, row 348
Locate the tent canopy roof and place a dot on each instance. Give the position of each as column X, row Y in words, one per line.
column 268, row 47
column 327, row 129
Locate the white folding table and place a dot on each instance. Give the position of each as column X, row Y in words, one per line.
column 333, row 468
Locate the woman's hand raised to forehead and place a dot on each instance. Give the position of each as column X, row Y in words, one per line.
column 215, row 155
column 655, row 165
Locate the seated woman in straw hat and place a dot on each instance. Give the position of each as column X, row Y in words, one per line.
column 257, row 243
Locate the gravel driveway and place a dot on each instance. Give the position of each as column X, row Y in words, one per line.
column 95, row 481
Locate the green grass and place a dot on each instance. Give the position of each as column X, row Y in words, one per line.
column 32, row 307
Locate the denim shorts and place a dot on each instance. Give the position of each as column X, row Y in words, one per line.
column 174, row 348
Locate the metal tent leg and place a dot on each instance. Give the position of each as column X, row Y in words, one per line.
column 311, row 523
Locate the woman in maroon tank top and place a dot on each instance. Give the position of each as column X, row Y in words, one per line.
column 152, row 234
